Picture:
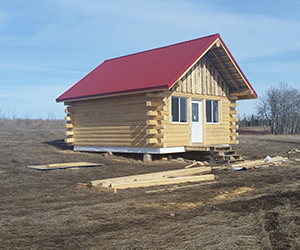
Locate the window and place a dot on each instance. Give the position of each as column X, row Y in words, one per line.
column 179, row 109
column 212, row 111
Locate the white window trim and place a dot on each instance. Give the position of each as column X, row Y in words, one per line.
column 187, row 104
column 219, row 116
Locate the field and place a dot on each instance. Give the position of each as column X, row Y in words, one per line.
column 251, row 209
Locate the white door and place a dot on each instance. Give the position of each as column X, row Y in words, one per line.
column 197, row 123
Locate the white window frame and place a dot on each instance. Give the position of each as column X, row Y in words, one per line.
column 212, row 110
column 180, row 103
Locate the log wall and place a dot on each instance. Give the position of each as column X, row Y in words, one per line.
column 124, row 121
column 219, row 133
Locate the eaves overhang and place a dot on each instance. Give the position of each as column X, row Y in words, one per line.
column 239, row 86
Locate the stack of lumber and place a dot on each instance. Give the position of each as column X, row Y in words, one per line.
column 256, row 163
column 152, row 179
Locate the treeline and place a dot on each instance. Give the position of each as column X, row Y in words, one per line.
column 251, row 121
column 278, row 108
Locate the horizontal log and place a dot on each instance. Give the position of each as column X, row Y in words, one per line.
column 160, row 118
column 139, row 144
column 233, row 126
column 108, row 131
column 114, row 128
column 69, row 133
column 182, row 136
column 151, row 141
column 233, row 112
column 159, row 127
column 156, row 122
column 156, row 113
column 112, row 124
column 69, row 140
column 176, row 142
column 158, row 109
column 69, row 125
column 217, row 126
column 234, row 119
column 106, row 114
column 155, row 103
column 107, row 105
column 110, row 140
column 110, row 136
column 110, row 120
column 234, row 134
column 153, row 131
column 113, row 101
column 157, row 136
column 116, row 137
column 233, row 105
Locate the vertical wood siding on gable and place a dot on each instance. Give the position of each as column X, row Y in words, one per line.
column 203, row 79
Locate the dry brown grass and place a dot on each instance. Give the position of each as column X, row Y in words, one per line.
column 254, row 209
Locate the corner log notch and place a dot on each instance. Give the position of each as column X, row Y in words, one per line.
column 233, row 122
column 157, row 117
column 69, row 125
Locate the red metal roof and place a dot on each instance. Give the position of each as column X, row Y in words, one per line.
column 149, row 70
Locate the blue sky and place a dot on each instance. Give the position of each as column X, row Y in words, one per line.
column 46, row 46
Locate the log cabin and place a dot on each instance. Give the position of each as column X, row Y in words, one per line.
column 171, row 99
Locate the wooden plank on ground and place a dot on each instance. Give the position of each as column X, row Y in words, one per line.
column 180, row 187
column 256, row 163
column 163, row 181
column 151, row 176
column 191, row 165
column 64, row 165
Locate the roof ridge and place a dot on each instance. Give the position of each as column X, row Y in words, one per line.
column 159, row 48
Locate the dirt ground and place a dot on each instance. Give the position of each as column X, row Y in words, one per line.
column 251, row 209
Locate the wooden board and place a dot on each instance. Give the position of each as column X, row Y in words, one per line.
column 179, row 187
column 256, row 163
column 164, row 181
column 151, row 176
column 65, row 165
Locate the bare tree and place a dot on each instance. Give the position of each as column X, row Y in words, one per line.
column 280, row 106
